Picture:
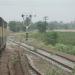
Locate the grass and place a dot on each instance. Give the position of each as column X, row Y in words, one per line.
column 66, row 38
column 63, row 37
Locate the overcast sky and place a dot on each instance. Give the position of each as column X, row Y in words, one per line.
column 56, row 10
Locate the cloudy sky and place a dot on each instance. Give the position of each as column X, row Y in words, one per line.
column 56, row 10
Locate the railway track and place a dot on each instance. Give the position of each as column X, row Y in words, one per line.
column 30, row 68
column 59, row 61
column 27, row 69
column 13, row 69
column 10, row 70
column 33, row 69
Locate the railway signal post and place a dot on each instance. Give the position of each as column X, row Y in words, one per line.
column 27, row 23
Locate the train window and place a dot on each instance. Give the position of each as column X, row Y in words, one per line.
column 5, row 24
column 0, row 21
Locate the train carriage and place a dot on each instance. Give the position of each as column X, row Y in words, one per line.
column 3, row 34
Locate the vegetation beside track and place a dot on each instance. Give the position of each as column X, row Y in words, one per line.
column 62, row 41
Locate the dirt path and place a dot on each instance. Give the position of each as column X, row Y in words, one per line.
column 4, row 62
column 10, row 64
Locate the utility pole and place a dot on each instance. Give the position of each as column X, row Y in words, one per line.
column 45, row 20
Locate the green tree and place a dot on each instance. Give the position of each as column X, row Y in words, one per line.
column 12, row 25
column 50, row 38
column 15, row 26
column 41, row 26
column 53, row 25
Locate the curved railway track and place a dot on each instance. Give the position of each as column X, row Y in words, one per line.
column 57, row 60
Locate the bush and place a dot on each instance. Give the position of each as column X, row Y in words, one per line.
column 61, row 47
column 50, row 38
column 65, row 48
column 67, row 38
column 47, row 37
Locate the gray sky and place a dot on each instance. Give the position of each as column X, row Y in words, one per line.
column 56, row 10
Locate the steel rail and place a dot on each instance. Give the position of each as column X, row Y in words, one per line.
column 31, row 65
